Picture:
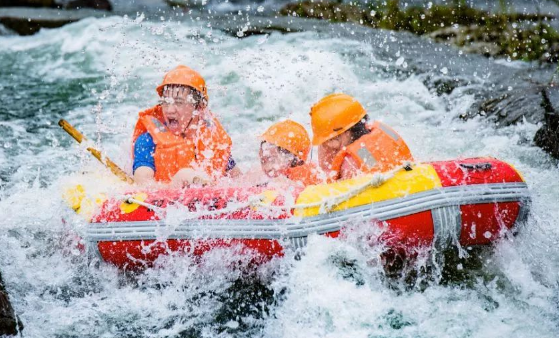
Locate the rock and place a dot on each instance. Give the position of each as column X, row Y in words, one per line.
column 326, row 10
column 444, row 84
column 472, row 39
column 28, row 21
column 104, row 5
column 552, row 97
column 552, row 54
column 514, row 106
column 68, row 4
column 31, row 26
column 6, row 31
column 28, row 3
column 547, row 137
column 483, row 48
column 9, row 323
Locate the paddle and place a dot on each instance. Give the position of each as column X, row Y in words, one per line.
column 103, row 159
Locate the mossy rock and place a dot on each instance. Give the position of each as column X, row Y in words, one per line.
column 476, row 31
column 333, row 11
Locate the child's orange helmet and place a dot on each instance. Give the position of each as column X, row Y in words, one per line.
column 184, row 76
column 290, row 136
column 333, row 115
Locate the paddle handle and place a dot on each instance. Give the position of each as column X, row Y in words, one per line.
column 113, row 167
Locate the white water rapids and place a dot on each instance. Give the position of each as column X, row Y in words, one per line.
column 98, row 73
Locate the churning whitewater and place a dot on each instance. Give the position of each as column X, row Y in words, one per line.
column 99, row 73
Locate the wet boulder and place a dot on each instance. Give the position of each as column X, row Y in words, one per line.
column 28, row 21
column 28, row 3
column 66, row 4
column 9, row 323
column 95, row 4
column 547, row 137
column 513, row 106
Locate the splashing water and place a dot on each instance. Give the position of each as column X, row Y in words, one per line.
column 98, row 73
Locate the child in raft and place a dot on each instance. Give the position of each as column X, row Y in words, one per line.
column 179, row 141
column 348, row 145
column 284, row 152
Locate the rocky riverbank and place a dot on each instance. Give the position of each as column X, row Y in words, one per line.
column 517, row 36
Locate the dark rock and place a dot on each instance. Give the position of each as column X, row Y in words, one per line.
column 28, row 21
column 6, row 31
column 472, row 39
column 444, row 84
column 552, row 97
column 512, row 107
column 547, row 137
column 68, row 4
column 28, row 3
column 24, row 26
column 96, row 4
column 9, row 323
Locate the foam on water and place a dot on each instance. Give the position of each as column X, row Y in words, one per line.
column 101, row 72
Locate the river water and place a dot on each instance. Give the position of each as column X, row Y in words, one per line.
column 98, row 73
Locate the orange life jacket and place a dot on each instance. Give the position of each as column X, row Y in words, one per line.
column 307, row 174
column 379, row 151
column 210, row 151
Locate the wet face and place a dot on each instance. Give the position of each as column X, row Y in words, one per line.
column 179, row 108
column 274, row 160
column 328, row 150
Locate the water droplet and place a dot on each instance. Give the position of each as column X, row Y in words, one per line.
column 232, row 324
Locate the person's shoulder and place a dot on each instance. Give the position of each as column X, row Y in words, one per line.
column 144, row 139
column 155, row 111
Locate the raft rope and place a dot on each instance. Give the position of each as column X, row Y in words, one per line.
column 376, row 181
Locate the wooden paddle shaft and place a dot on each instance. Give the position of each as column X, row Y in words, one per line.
column 113, row 167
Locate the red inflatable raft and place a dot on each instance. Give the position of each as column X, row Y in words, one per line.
column 471, row 202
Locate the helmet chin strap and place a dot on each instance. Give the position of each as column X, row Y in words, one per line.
column 183, row 134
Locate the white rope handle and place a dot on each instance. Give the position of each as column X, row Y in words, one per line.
column 376, row 180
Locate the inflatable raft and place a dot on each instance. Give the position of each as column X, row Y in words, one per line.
column 469, row 202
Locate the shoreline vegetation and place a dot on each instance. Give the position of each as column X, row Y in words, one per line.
column 515, row 36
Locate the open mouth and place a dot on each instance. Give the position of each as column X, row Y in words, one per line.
column 173, row 123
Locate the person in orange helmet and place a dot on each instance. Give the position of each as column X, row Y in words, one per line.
column 284, row 152
column 348, row 144
column 179, row 140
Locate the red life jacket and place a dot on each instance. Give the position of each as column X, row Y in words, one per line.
column 210, row 151
column 379, row 151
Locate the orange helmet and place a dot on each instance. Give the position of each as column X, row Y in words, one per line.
column 290, row 136
column 184, row 76
column 333, row 115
